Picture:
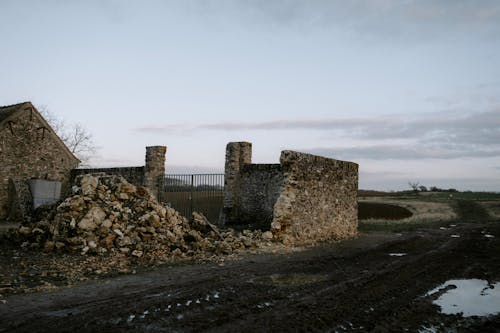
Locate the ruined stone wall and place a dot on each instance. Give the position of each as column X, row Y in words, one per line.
column 148, row 175
column 260, row 187
column 318, row 200
column 29, row 149
column 303, row 200
column 134, row 175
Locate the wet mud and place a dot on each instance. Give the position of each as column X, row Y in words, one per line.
column 379, row 282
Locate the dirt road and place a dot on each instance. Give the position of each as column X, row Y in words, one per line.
column 376, row 283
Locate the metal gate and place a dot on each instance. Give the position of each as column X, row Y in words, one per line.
column 188, row 193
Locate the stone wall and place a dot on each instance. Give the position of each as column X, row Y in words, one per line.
column 260, row 187
column 303, row 200
column 318, row 200
column 30, row 149
column 20, row 201
column 134, row 175
column 148, row 175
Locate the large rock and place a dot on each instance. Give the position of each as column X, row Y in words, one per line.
column 88, row 184
column 92, row 219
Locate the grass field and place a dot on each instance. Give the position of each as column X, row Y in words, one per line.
column 430, row 209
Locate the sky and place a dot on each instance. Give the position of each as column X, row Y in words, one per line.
column 409, row 90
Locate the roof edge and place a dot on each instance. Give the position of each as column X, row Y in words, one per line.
column 59, row 141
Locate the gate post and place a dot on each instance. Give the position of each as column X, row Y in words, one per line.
column 237, row 155
column 155, row 168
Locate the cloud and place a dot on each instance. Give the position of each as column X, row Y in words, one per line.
column 480, row 128
column 390, row 19
column 445, row 135
column 314, row 124
column 401, row 152
column 179, row 129
column 440, row 136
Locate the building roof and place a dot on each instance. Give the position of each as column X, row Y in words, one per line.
column 9, row 111
column 6, row 111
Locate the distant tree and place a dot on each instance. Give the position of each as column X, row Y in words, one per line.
column 414, row 186
column 76, row 137
column 422, row 188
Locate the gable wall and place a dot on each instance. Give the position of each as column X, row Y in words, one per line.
column 318, row 200
column 27, row 150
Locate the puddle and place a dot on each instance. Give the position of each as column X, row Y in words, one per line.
column 472, row 297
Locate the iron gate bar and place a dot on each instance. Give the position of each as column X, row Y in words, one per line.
column 187, row 193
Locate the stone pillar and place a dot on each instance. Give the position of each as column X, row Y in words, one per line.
column 154, row 170
column 237, row 155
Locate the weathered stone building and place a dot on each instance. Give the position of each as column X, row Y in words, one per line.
column 29, row 149
column 302, row 200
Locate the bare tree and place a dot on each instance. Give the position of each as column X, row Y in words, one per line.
column 76, row 137
column 414, row 186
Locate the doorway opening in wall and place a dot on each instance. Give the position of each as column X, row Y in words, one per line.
column 188, row 193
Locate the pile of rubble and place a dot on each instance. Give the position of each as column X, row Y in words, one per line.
column 106, row 214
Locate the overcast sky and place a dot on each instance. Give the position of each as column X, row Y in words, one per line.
column 410, row 90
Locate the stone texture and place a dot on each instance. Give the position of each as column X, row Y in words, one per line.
column 150, row 175
column 96, row 219
column 260, row 187
column 20, row 202
column 318, row 201
column 238, row 154
column 133, row 175
column 303, row 200
column 155, row 168
column 29, row 148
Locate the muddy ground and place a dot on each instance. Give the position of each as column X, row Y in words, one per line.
column 353, row 285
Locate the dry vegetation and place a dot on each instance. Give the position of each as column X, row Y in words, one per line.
column 430, row 209
column 493, row 208
column 423, row 210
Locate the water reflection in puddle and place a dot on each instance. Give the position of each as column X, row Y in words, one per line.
column 471, row 297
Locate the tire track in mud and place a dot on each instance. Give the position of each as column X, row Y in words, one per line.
column 321, row 290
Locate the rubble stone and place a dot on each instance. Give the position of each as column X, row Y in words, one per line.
column 116, row 217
